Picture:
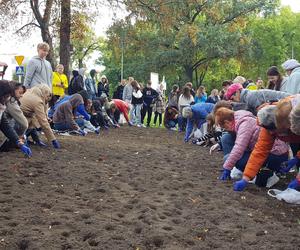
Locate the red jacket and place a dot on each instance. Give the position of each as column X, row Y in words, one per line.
column 123, row 107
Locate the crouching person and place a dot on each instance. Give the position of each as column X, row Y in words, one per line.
column 240, row 140
column 281, row 122
column 14, row 114
column 118, row 107
column 5, row 126
column 64, row 115
column 196, row 115
column 171, row 118
column 34, row 105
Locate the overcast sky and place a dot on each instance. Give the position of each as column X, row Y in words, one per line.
column 11, row 45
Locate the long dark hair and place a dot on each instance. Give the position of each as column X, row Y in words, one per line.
column 5, row 90
column 273, row 71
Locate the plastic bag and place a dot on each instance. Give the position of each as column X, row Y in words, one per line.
column 289, row 195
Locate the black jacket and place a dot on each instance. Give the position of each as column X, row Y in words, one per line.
column 7, row 130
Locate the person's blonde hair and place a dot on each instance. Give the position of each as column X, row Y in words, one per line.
column 282, row 114
column 43, row 46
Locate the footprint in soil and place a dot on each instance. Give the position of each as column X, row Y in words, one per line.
column 109, row 227
column 156, row 241
column 23, row 244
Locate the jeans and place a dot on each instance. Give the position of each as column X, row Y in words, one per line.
column 148, row 110
column 172, row 123
column 181, row 123
column 273, row 162
column 135, row 114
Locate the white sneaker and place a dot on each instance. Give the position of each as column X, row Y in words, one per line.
column 173, row 129
column 143, row 126
column 139, row 125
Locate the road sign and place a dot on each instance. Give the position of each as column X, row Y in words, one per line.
column 20, row 70
column 19, row 59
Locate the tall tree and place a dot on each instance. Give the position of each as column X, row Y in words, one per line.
column 65, row 34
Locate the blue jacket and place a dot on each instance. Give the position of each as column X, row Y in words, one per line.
column 200, row 112
column 80, row 109
column 200, row 100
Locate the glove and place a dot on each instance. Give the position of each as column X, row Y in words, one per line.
column 225, row 175
column 240, row 185
column 82, row 132
column 41, row 144
column 97, row 130
column 55, row 144
column 287, row 166
column 214, row 148
column 295, row 184
column 26, row 150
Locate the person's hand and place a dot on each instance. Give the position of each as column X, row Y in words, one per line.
column 26, row 150
column 82, row 132
column 55, row 144
column 295, row 184
column 214, row 148
column 240, row 185
column 41, row 144
column 287, row 166
column 225, row 175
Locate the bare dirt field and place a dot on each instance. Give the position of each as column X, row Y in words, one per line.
column 134, row 189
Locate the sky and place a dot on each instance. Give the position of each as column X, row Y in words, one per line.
column 11, row 45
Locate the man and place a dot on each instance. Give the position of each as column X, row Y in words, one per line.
column 292, row 68
column 39, row 70
column 149, row 97
column 118, row 94
column 90, row 85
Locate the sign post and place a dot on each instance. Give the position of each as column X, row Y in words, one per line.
column 20, row 68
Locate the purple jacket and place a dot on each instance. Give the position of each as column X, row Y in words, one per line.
column 247, row 132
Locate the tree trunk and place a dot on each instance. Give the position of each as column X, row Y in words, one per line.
column 80, row 63
column 189, row 72
column 48, row 39
column 65, row 30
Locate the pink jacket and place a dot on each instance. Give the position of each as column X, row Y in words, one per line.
column 247, row 132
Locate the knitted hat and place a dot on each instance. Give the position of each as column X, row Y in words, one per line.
column 232, row 89
column 290, row 64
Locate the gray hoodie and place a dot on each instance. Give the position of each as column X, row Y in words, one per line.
column 254, row 98
column 292, row 85
column 38, row 71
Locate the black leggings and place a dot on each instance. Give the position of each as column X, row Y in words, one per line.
column 159, row 115
column 146, row 109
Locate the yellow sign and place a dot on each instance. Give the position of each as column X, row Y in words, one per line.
column 19, row 59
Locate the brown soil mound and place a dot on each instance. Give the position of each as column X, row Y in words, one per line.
column 134, row 189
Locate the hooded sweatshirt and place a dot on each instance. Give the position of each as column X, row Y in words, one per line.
column 247, row 132
column 200, row 112
column 34, row 106
column 255, row 98
column 65, row 112
column 292, row 85
column 38, row 71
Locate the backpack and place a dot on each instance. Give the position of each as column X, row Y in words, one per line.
column 75, row 85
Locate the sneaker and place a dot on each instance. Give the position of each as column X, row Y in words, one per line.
column 144, row 126
column 139, row 125
column 173, row 129
column 160, row 125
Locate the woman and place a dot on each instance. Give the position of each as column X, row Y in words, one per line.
column 159, row 106
column 214, row 97
column 171, row 118
column 173, row 97
column 34, row 105
column 59, row 82
column 201, row 95
column 15, row 116
column 64, row 115
column 196, row 115
column 103, row 86
column 5, row 127
column 137, row 103
column 276, row 80
column 240, row 141
column 185, row 100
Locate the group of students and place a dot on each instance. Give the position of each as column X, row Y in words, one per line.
column 256, row 128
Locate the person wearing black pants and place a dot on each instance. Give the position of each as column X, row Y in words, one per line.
column 149, row 97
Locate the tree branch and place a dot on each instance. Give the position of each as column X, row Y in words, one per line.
column 26, row 25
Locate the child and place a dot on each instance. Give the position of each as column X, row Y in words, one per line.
column 137, row 103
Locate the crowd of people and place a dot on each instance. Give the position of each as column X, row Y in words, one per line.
column 256, row 127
